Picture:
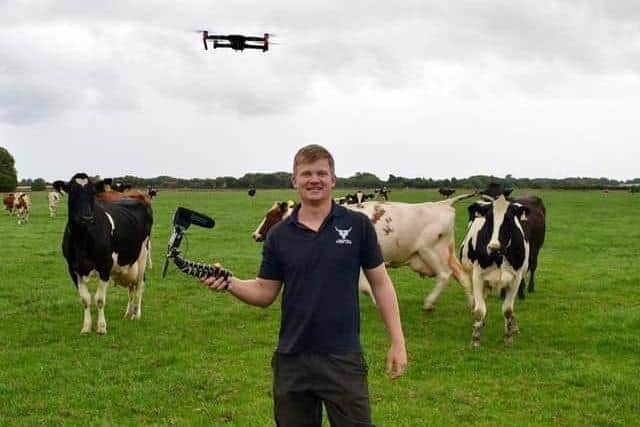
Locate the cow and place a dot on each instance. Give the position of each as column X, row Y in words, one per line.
column 495, row 251
column 22, row 207
column 107, row 234
column 53, row 198
column 383, row 192
column 356, row 198
column 420, row 235
column 8, row 201
column 121, row 187
column 446, row 192
column 152, row 192
column 534, row 228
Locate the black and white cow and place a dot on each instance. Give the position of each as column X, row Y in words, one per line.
column 495, row 251
column 534, row 227
column 110, row 237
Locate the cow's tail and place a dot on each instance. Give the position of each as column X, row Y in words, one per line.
column 459, row 273
column 456, row 199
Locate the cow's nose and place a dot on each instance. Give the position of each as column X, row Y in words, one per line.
column 494, row 246
column 87, row 219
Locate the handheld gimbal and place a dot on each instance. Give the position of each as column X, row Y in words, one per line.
column 182, row 219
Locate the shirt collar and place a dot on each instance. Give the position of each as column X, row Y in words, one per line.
column 336, row 211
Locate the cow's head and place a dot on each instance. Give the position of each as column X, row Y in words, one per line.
column 81, row 199
column 501, row 221
column 495, row 190
column 278, row 212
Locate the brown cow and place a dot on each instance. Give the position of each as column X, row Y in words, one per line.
column 21, row 206
column 8, row 201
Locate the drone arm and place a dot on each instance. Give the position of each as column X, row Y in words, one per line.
column 253, row 46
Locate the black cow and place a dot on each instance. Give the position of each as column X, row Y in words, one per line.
column 110, row 237
column 152, row 192
column 446, row 192
column 383, row 192
column 496, row 252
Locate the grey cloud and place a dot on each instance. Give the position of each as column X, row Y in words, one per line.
column 112, row 56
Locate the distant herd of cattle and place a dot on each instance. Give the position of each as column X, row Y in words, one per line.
column 19, row 203
column 109, row 227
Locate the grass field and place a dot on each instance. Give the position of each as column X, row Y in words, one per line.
column 198, row 358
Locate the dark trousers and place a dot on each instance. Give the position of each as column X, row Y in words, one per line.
column 303, row 382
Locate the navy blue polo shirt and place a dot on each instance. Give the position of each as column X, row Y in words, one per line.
column 320, row 272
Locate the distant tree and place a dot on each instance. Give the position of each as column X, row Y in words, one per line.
column 8, row 174
column 38, row 184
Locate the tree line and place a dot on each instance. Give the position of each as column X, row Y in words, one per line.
column 361, row 180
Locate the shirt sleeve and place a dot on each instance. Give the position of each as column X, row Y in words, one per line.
column 371, row 255
column 270, row 267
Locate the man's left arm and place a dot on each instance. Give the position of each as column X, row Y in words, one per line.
column 387, row 302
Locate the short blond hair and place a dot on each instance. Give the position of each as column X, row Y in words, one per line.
column 311, row 153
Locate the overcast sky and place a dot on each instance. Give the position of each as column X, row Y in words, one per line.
column 415, row 88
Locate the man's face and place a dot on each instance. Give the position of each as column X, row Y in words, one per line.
column 314, row 181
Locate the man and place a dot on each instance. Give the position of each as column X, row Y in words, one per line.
column 317, row 252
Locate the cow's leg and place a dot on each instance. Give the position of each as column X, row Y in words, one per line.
column 365, row 287
column 83, row 290
column 461, row 276
column 128, row 314
column 533, row 265
column 136, row 312
column 510, row 323
column 480, row 308
column 428, row 257
column 101, row 298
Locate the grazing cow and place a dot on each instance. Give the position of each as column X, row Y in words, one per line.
column 152, row 192
column 446, row 192
column 121, row 187
column 355, row 199
column 108, row 234
column 8, row 201
column 534, row 228
column 495, row 251
column 419, row 235
column 383, row 192
column 22, row 207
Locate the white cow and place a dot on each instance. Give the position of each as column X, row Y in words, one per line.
column 54, row 200
column 420, row 235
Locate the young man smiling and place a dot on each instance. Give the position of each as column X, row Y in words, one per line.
column 315, row 256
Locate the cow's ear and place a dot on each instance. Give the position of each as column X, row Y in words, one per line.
column 477, row 210
column 100, row 186
column 507, row 192
column 60, row 186
column 521, row 211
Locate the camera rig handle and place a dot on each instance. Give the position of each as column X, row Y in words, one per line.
column 182, row 219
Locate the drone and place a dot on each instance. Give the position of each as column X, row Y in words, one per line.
column 236, row 41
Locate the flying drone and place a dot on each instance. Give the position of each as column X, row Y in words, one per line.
column 235, row 41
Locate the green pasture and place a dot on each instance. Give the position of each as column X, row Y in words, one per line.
column 198, row 358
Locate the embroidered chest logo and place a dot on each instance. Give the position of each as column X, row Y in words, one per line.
column 343, row 236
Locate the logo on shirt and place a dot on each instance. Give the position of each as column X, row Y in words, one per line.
column 343, row 236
